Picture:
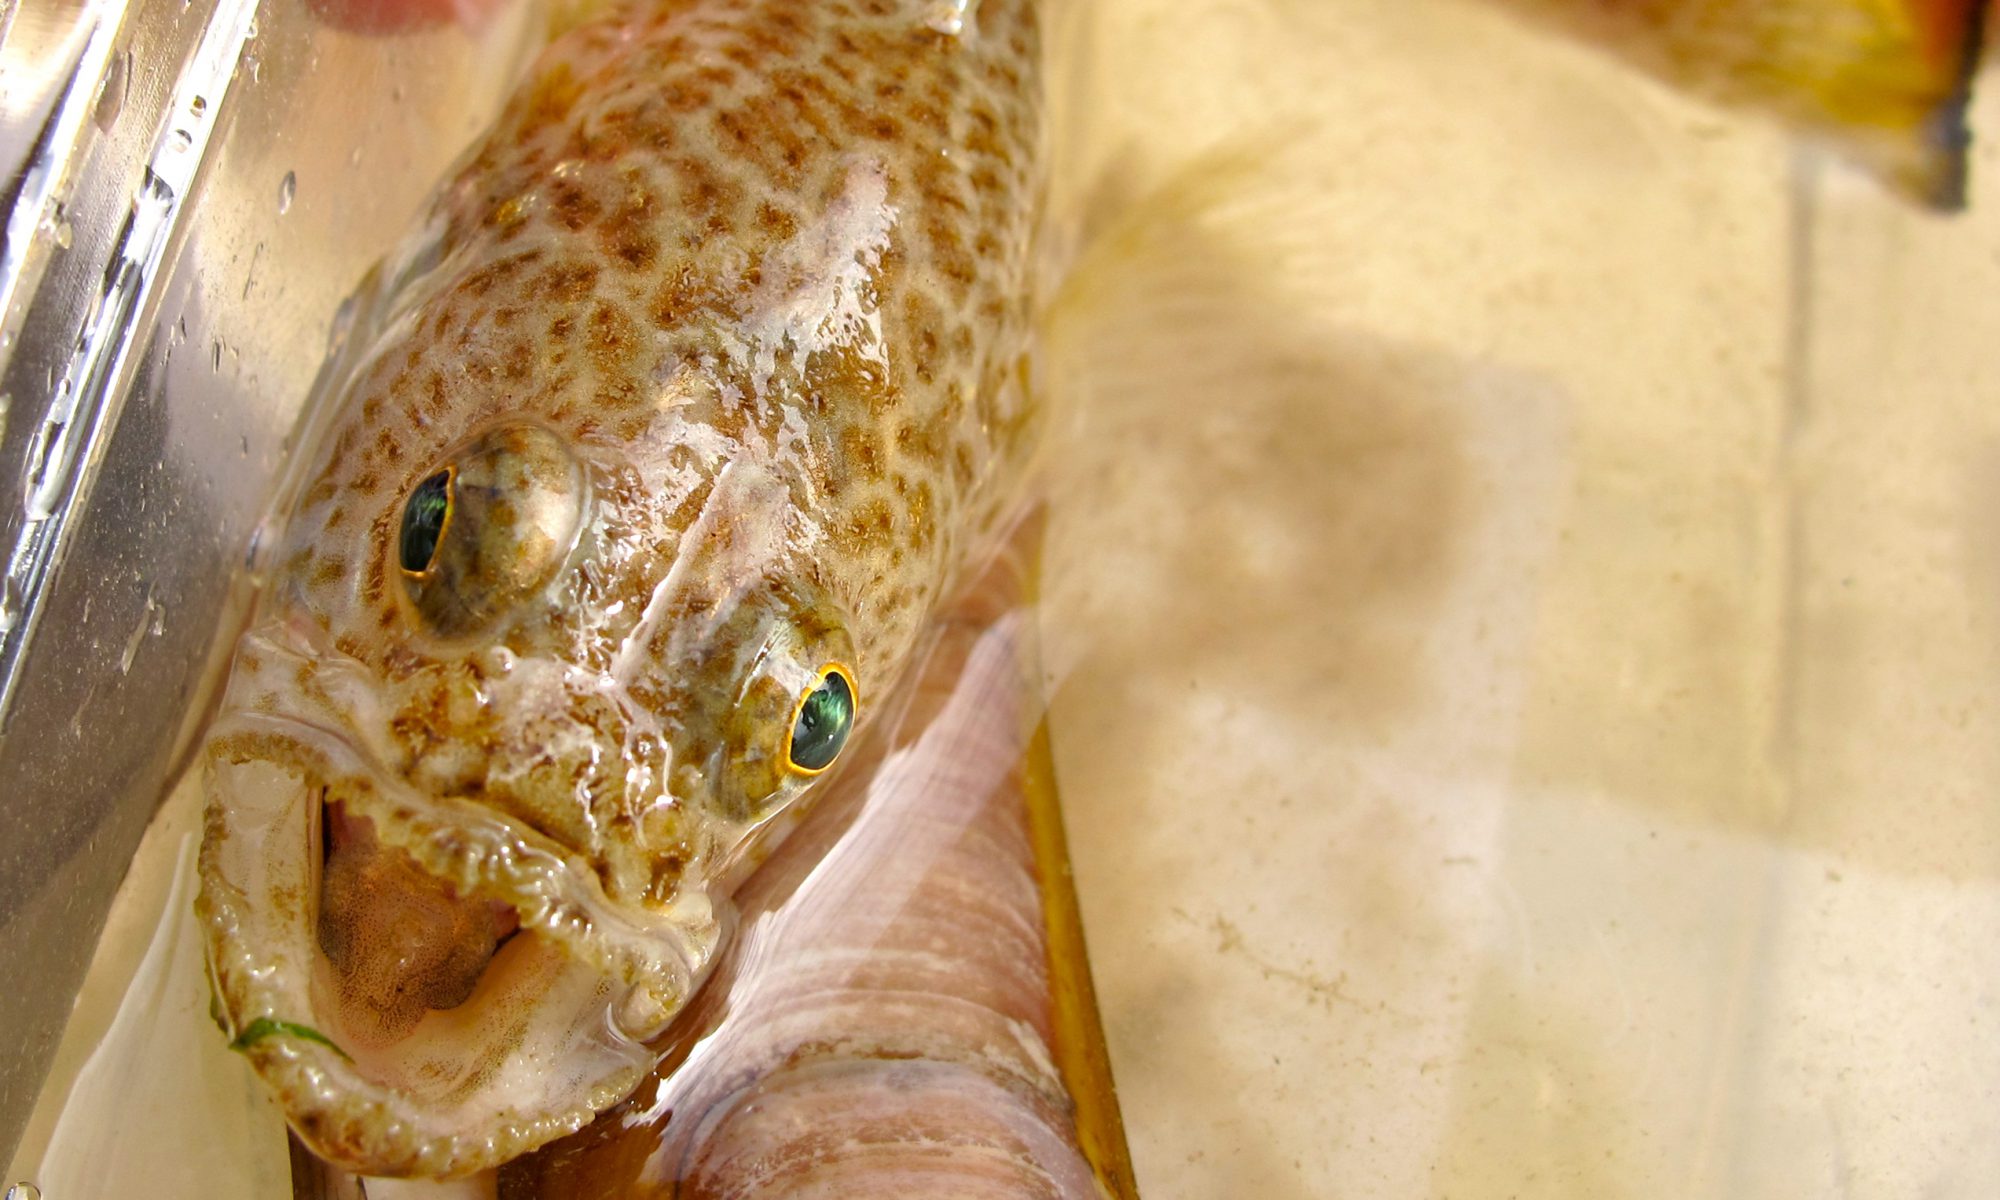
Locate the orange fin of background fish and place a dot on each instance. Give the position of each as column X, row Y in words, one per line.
column 1886, row 81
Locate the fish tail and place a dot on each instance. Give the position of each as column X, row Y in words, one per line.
column 1888, row 82
column 1901, row 90
column 1955, row 33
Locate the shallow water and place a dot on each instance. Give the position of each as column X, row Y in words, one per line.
column 1525, row 575
column 1522, row 619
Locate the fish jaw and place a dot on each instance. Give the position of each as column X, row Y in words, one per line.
column 548, row 1011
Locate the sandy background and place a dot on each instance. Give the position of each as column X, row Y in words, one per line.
column 1526, row 606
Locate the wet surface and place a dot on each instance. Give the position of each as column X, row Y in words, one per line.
column 1523, row 614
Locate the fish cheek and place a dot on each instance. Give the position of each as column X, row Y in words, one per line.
column 757, row 773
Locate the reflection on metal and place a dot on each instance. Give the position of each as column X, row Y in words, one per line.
column 55, row 56
column 60, row 458
column 101, row 169
column 176, row 242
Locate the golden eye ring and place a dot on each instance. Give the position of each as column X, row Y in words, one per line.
column 822, row 720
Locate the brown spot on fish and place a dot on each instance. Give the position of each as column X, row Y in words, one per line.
column 566, row 282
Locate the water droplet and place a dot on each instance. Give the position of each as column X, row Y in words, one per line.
column 56, row 225
column 41, row 448
column 150, row 623
column 354, row 157
column 111, row 93
column 182, row 140
column 198, row 105
column 215, row 355
column 287, row 188
column 24, row 1191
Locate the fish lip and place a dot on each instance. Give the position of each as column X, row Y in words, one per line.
column 264, row 961
column 494, row 858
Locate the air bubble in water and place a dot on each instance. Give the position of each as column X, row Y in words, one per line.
column 288, row 187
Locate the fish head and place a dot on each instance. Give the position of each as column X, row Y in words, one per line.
column 516, row 697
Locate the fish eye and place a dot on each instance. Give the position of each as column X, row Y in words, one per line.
column 483, row 533
column 822, row 721
column 426, row 514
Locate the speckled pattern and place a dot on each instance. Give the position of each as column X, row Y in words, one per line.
column 764, row 272
column 797, row 229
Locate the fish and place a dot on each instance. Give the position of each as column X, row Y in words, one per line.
column 704, row 381
column 1887, row 82
column 906, row 1006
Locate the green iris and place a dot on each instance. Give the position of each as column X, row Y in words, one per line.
column 424, row 518
column 823, row 723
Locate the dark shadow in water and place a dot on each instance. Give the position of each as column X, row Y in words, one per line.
column 1252, row 514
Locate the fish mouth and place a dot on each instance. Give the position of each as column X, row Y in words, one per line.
column 428, row 988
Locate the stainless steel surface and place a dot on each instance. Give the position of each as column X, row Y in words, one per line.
column 186, row 213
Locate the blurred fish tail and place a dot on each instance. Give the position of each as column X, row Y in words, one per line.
column 1886, row 81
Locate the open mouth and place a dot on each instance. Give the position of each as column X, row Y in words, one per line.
column 427, row 988
column 400, row 943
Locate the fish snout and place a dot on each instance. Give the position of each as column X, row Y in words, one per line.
column 429, row 982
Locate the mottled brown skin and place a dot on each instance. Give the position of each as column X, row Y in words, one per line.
column 616, row 230
column 723, row 338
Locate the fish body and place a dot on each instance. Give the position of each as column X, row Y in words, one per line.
column 709, row 379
